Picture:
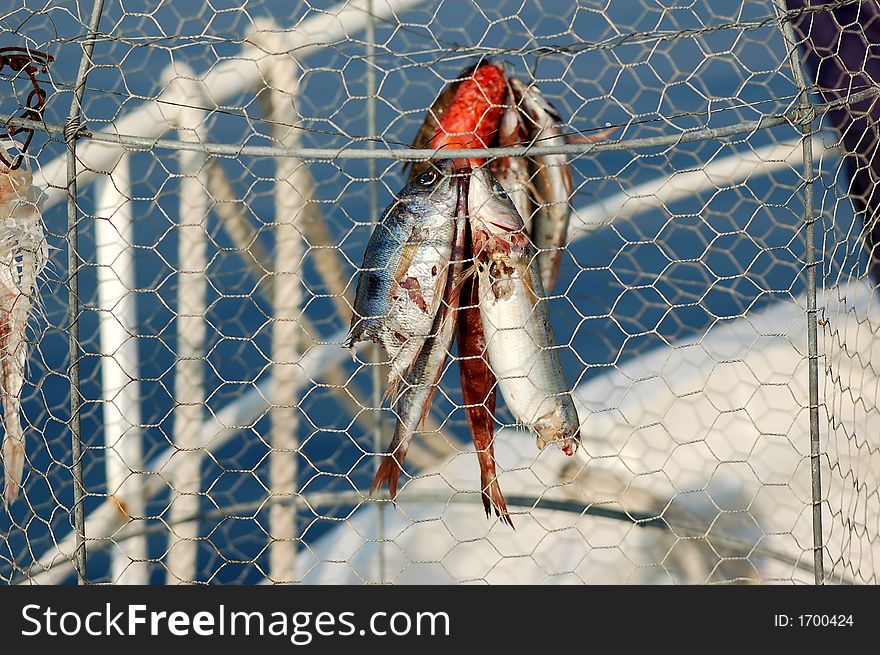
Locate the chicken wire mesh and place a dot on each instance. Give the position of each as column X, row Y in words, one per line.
column 231, row 158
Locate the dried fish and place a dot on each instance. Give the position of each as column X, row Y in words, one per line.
column 516, row 323
column 466, row 113
column 552, row 175
column 23, row 255
column 405, row 266
column 421, row 384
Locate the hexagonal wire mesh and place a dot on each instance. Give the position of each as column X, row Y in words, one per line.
column 233, row 158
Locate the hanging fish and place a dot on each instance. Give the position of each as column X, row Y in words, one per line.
column 552, row 179
column 430, row 128
column 478, row 390
column 514, row 173
column 466, row 113
column 403, row 275
column 420, row 384
column 23, row 255
column 516, row 323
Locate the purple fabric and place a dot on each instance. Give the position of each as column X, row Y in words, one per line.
column 842, row 49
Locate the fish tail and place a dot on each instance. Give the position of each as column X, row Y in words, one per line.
column 354, row 334
column 389, row 472
column 493, row 498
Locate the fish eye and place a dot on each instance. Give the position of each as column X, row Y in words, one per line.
column 500, row 192
column 428, row 178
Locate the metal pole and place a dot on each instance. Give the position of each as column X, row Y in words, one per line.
column 375, row 354
column 806, row 126
column 76, row 449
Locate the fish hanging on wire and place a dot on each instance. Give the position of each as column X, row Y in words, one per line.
column 496, row 308
column 404, row 271
column 420, row 385
column 552, row 178
column 519, row 338
column 514, row 173
column 23, row 255
column 468, row 114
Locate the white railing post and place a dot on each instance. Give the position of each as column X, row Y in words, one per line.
column 120, row 368
column 187, row 98
column 280, row 74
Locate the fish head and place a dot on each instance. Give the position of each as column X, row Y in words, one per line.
column 431, row 194
column 433, row 190
column 495, row 221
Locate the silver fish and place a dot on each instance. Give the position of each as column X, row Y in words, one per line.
column 421, row 383
column 405, row 267
column 513, row 172
column 552, row 175
column 516, row 323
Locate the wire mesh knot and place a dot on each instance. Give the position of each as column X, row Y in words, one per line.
column 72, row 129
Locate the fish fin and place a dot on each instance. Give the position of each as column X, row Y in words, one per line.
column 394, row 381
column 407, row 254
column 465, row 276
column 602, row 135
column 354, row 334
column 389, row 471
column 388, row 474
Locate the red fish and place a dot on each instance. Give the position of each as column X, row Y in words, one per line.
column 466, row 114
column 478, row 392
